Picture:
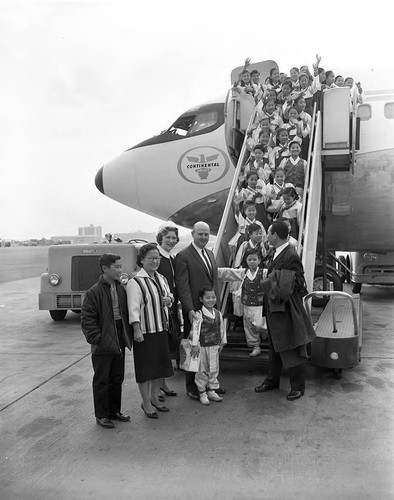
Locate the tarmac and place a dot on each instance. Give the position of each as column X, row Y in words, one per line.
column 336, row 442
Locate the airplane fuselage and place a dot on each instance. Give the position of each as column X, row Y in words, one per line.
column 185, row 173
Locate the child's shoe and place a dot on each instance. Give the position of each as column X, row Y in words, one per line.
column 204, row 399
column 256, row 352
column 212, row 396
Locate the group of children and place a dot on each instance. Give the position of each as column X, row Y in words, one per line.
column 286, row 103
column 270, row 187
column 271, row 184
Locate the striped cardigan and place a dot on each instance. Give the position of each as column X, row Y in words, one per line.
column 145, row 302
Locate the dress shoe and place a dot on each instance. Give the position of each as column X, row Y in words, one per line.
column 170, row 392
column 161, row 408
column 220, row 390
column 295, row 395
column 105, row 422
column 193, row 396
column 119, row 416
column 149, row 415
column 265, row 388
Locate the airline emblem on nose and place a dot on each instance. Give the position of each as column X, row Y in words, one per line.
column 203, row 165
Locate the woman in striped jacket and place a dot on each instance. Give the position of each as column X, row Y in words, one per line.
column 148, row 298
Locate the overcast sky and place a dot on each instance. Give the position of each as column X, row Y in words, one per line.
column 84, row 80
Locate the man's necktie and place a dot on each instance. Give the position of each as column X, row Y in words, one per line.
column 206, row 260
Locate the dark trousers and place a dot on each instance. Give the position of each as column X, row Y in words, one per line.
column 107, row 383
column 296, row 373
column 189, row 376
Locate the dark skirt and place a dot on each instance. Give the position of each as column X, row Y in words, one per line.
column 152, row 358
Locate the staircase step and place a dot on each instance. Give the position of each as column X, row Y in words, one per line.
column 232, row 353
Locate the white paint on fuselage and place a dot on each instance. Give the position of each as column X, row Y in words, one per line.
column 149, row 178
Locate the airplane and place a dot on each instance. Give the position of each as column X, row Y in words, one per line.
column 196, row 157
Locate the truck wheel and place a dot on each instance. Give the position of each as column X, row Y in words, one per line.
column 356, row 287
column 58, row 315
column 318, row 285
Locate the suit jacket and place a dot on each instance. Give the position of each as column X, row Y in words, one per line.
column 288, row 323
column 191, row 274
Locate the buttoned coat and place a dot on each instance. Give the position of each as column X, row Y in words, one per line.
column 191, row 274
column 288, row 323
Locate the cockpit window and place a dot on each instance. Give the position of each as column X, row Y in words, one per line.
column 182, row 125
column 204, row 119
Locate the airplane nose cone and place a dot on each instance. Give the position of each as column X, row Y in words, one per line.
column 99, row 180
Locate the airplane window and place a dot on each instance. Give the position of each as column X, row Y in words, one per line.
column 364, row 112
column 389, row 110
column 182, row 125
column 200, row 120
column 203, row 121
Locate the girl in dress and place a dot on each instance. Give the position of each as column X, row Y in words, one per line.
column 281, row 150
column 254, row 193
column 278, row 185
column 289, row 207
column 295, row 168
column 306, row 121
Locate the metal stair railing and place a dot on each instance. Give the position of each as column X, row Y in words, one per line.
column 228, row 225
column 307, row 179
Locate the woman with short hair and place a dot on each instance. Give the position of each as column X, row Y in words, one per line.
column 167, row 237
column 148, row 298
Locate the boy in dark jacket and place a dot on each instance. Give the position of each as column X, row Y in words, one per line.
column 105, row 324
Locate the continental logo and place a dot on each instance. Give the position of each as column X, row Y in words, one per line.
column 203, row 165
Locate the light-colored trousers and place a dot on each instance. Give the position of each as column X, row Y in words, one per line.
column 207, row 376
column 254, row 325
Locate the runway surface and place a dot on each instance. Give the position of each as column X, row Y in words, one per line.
column 336, row 442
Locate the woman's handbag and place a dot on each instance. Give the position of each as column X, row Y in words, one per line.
column 186, row 361
column 172, row 333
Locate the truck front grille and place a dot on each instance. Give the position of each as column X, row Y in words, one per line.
column 69, row 301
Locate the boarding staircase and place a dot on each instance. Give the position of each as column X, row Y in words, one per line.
column 327, row 150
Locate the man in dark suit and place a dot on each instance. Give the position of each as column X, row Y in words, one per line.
column 289, row 326
column 195, row 267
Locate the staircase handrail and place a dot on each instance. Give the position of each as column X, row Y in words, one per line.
column 307, row 179
column 233, row 187
column 228, row 206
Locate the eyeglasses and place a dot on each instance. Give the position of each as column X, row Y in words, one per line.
column 153, row 258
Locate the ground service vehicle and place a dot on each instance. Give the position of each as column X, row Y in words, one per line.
column 73, row 269
column 372, row 268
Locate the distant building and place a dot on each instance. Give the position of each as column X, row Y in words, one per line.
column 90, row 234
column 87, row 234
